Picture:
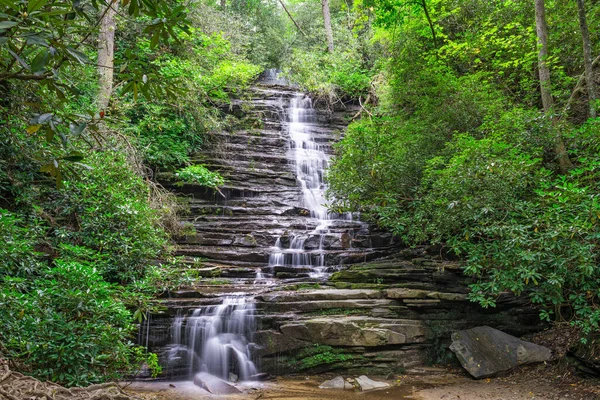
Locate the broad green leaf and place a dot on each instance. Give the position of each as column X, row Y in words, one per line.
column 76, row 129
column 44, row 117
column 78, row 55
column 35, row 5
column 155, row 38
column 7, row 24
column 39, row 62
column 74, row 156
column 19, row 59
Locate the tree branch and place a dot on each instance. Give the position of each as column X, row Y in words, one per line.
column 578, row 88
column 23, row 77
column 292, row 18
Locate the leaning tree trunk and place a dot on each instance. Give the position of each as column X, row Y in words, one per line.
column 430, row 22
column 327, row 20
column 587, row 59
column 106, row 52
column 544, row 73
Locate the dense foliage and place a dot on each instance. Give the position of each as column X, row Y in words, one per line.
column 86, row 228
column 456, row 151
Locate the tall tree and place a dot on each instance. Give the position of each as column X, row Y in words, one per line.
column 545, row 85
column 106, row 52
column 587, row 59
column 327, row 20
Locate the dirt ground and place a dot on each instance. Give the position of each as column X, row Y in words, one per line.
column 539, row 383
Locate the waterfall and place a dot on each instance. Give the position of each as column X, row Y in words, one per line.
column 276, row 197
column 311, row 162
column 216, row 339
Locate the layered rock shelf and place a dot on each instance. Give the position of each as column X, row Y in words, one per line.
column 376, row 307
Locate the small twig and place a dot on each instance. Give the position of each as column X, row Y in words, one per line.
column 366, row 102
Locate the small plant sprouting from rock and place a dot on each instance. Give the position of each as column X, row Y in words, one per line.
column 200, row 175
column 317, row 355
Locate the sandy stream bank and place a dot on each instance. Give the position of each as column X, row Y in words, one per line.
column 539, row 383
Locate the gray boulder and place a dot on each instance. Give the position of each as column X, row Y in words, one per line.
column 366, row 383
column 213, row 384
column 336, row 383
column 485, row 351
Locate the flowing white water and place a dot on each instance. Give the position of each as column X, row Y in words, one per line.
column 311, row 162
column 216, row 339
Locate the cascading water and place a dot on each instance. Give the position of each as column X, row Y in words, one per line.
column 216, row 339
column 310, row 161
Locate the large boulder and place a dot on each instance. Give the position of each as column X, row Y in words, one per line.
column 485, row 351
column 213, row 384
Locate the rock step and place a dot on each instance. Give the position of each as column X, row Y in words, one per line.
column 256, row 156
column 261, row 138
column 254, row 239
column 239, row 149
column 241, row 253
column 238, row 201
column 279, row 225
column 325, row 294
column 232, row 210
column 239, row 170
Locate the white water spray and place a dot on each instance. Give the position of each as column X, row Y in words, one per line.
column 216, row 339
column 311, row 162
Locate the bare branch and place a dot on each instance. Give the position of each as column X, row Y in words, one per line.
column 292, row 18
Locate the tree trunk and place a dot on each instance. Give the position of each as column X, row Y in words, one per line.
column 587, row 59
column 430, row 22
column 544, row 73
column 327, row 20
column 223, row 4
column 106, row 53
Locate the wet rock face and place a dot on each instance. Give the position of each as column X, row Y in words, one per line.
column 380, row 327
column 485, row 351
column 356, row 331
column 262, row 194
column 383, row 308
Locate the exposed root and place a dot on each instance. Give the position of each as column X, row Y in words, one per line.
column 16, row 386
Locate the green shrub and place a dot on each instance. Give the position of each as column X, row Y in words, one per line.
column 18, row 254
column 165, row 136
column 318, row 355
column 67, row 325
column 200, row 175
column 329, row 75
column 111, row 217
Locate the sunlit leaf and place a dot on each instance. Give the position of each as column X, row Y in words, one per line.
column 34, row 128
